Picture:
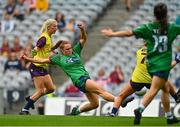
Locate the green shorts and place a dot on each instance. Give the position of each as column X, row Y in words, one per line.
column 81, row 83
column 161, row 74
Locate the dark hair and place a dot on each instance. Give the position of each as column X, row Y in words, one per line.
column 160, row 12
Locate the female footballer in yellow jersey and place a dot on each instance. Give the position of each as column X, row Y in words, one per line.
column 141, row 78
column 137, row 75
column 42, row 80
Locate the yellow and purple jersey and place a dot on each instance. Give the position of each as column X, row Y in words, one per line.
column 44, row 45
column 140, row 73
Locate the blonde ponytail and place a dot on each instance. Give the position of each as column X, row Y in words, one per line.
column 46, row 24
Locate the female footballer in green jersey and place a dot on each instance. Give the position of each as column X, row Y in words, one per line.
column 140, row 79
column 70, row 61
column 159, row 36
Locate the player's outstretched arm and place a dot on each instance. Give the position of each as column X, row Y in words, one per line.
column 33, row 60
column 83, row 36
column 111, row 33
column 57, row 45
column 176, row 60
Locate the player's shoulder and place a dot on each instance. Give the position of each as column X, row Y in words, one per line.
column 172, row 26
column 56, row 56
column 142, row 49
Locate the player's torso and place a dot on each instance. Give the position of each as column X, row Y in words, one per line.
column 73, row 66
column 140, row 74
column 159, row 48
column 45, row 51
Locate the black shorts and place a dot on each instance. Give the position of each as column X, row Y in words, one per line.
column 81, row 83
column 138, row 86
column 37, row 71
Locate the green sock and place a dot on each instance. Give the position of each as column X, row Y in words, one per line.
column 141, row 108
column 78, row 111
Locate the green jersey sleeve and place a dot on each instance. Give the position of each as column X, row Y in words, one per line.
column 77, row 48
column 141, row 31
column 177, row 29
column 54, row 58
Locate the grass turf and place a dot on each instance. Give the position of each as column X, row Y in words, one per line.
column 37, row 120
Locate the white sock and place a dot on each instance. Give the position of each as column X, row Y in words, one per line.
column 142, row 106
column 169, row 115
column 24, row 110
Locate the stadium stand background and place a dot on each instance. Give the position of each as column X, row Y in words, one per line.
column 99, row 52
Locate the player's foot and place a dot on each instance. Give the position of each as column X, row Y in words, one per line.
column 178, row 100
column 178, row 96
column 24, row 113
column 137, row 117
column 126, row 101
column 178, row 92
column 110, row 114
column 173, row 120
column 75, row 111
column 128, row 8
column 27, row 99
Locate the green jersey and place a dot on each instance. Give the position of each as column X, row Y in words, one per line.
column 159, row 47
column 71, row 65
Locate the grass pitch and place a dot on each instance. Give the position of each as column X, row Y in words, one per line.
column 37, row 120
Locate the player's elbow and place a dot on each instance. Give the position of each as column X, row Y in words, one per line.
column 129, row 33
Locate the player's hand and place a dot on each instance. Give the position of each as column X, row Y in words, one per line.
column 177, row 57
column 24, row 57
column 107, row 32
column 80, row 25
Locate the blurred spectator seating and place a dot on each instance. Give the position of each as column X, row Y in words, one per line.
column 101, row 79
column 72, row 91
column 17, row 45
column 10, row 7
column 7, row 24
column 81, row 10
column 5, row 48
column 177, row 82
column 13, row 63
column 21, row 10
column 71, row 24
column 60, row 18
column 115, row 78
column 42, row 5
column 31, row 5
column 178, row 19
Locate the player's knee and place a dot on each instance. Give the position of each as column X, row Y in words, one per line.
column 40, row 91
column 122, row 96
column 95, row 105
column 51, row 89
